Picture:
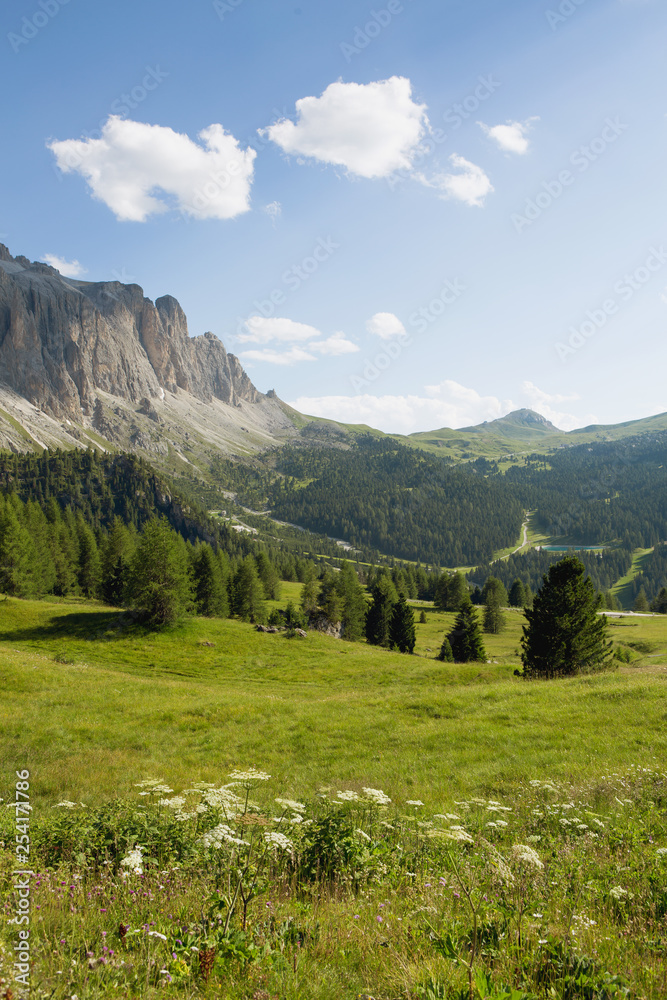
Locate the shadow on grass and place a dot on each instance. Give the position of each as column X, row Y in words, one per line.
column 96, row 626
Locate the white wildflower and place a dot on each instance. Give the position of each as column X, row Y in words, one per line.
column 501, row 822
column 348, row 796
column 661, row 852
column 526, row 854
column 457, row 833
column 134, row 861
column 534, row 839
column 249, row 777
column 291, row 804
column 176, row 803
column 162, row 937
column 65, row 804
column 362, row 834
column 377, row 796
column 618, row 893
column 219, row 835
column 279, row 840
column 414, row 802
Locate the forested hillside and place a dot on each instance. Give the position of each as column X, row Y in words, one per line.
column 608, row 491
column 383, row 495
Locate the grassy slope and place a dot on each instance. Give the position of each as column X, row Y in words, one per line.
column 132, row 704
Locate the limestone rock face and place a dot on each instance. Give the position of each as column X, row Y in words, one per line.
column 61, row 340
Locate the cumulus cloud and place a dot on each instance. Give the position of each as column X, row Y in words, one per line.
column 446, row 405
column 288, row 357
column 385, row 325
column 370, row 129
column 69, row 268
column 548, row 404
column 132, row 161
column 262, row 330
column 511, row 136
column 281, row 330
column 335, row 345
column 471, row 185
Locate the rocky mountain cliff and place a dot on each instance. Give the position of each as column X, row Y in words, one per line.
column 100, row 356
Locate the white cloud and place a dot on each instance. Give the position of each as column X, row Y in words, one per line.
column 471, row 185
column 511, row 136
column 371, row 129
column 131, row 161
column 69, row 268
column 289, row 357
column 334, row 346
column 544, row 402
column 385, row 325
column 447, row 405
column 262, row 330
column 274, row 209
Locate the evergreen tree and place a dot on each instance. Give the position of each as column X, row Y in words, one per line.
column 422, row 618
column 465, row 638
column 211, row 598
column 354, row 603
column 117, row 552
column 384, row 598
column 659, row 605
column 248, row 590
column 17, row 554
column 451, row 592
column 269, row 577
column 329, row 598
column 494, row 617
column 402, row 634
column 446, row 654
column 309, row 591
column 611, row 602
column 159, row 585
column 89, row 573
column 494, row 589
column 564, row 635
column 517, row 594
column 641, row 605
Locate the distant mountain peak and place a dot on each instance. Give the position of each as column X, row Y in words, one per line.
column 518, row 421
column 527, row 418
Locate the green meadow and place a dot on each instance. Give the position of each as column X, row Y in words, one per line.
column 91, row 703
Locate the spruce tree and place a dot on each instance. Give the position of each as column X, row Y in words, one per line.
column 565, row 635
column 159, row 585
column 384, row 598
column 517, row 594
column 494, row 617
column 465, row 638
column 641, row 605
column 353, row 600
column 402, row 634
column 248, row 591
column 446, row 654
column 211, row 598
column 659, row 605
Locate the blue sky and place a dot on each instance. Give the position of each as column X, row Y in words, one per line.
column 413, row 213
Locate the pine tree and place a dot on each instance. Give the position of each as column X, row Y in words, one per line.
column 517, row 594
column 269, row 577
column 451, row 592
column 446, row 654
column 495, row 589
column 384, row 598
column 89, row 572
column 466, row 638
column 354, row 603
column 564, row 635
column 17, row 553
column 494, row 617
column 659, row 605
column 329, row 599
column 248, row 591
column 211, row 598
column 402, row 634
column 159, row 585
column 117, row 552
column 641, row 605
column 309, row 592
column 422, row 618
